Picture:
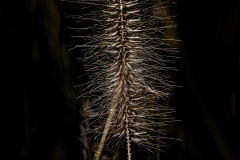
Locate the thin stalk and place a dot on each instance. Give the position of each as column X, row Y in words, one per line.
column 104, row 135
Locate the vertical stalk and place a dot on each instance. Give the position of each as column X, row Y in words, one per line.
column 119, row 91
column 104, row 135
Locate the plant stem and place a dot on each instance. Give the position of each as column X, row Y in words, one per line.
column 104, row 135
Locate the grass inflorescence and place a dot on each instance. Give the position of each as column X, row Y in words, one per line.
column 128, row 64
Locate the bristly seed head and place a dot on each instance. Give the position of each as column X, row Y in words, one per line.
column 127, row 66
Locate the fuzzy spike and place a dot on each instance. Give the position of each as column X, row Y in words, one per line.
column 126, row 56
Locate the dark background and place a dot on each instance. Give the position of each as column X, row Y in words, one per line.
column 40, row 116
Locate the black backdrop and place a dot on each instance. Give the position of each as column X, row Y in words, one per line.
column 40, row 116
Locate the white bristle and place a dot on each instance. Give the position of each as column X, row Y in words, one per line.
column 127, row 59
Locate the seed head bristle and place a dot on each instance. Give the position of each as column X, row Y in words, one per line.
column 127, row 59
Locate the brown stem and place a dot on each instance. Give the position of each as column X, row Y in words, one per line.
column 104, row 135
